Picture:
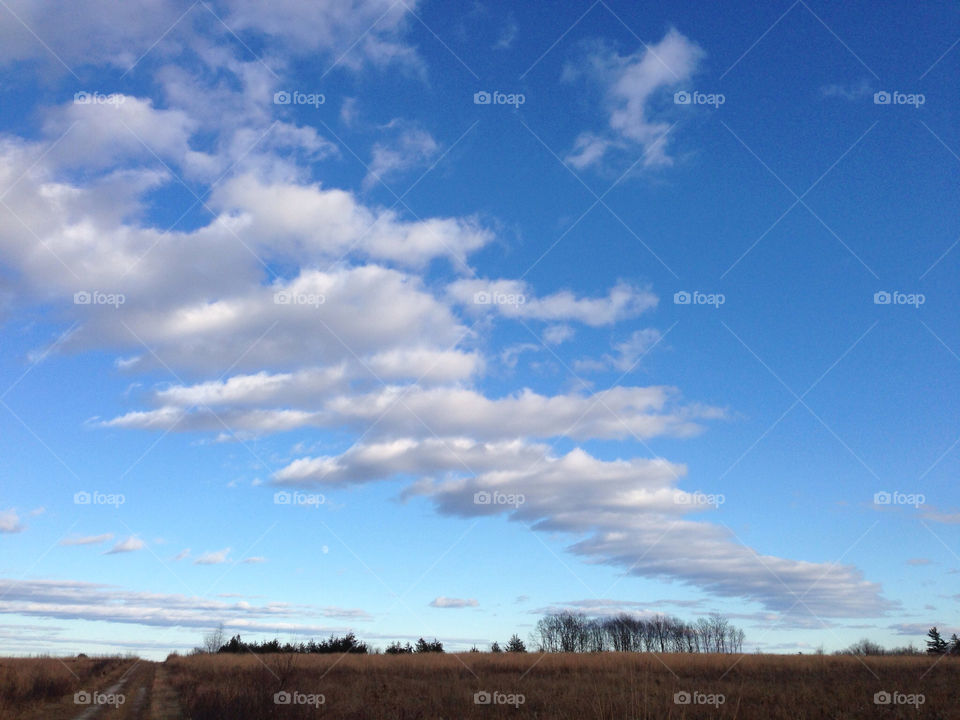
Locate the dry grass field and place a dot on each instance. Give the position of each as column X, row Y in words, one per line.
column 603, row 686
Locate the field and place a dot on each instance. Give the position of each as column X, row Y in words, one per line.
column 602, row 686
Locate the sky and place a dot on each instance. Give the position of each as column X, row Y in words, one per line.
column 424, row 319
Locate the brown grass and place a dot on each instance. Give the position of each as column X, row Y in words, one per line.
column 562, row 687
column 29, row 682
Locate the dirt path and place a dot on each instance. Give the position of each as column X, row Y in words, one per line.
column 137, row 691
column 127, row 698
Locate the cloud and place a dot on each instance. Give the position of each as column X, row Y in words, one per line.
column 181, row 555
column 101, row 32
column 129, row 544
column 624, row 513
column 10, row 522
column 88, row 540
column 627, row 354
column 514, row 299
column 630, row 85
column 217, row 557
column 413, row 148
column 255, row 560
column 76, row 600
column 453, row 603
column 917, row 562
column 641, row 412
column 356, row 33
column 557, row 334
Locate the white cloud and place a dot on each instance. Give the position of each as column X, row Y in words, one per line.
column 627, row 354
column 87, row 539
column 255, row 560
column 216, row 557
column 71, row 599
column 557, row 334
column 631, row 84
column 453, row 603
column 514, row 298
column 10, row 522
column 129, row 544
column 618, row 412
column 413, row 148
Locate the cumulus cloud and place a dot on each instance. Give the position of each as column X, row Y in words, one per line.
column 631, row 84
column 453, row 603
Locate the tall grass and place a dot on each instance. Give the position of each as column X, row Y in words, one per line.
column 563, row 686
column 25, row 682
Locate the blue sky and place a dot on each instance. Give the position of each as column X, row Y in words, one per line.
column 699, row 356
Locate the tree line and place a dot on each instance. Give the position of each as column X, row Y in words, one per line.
column 936, row 645
column 575, row 632
column 555, row 632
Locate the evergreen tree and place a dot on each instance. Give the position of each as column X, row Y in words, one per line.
column 936, row 645
column 515, row 644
